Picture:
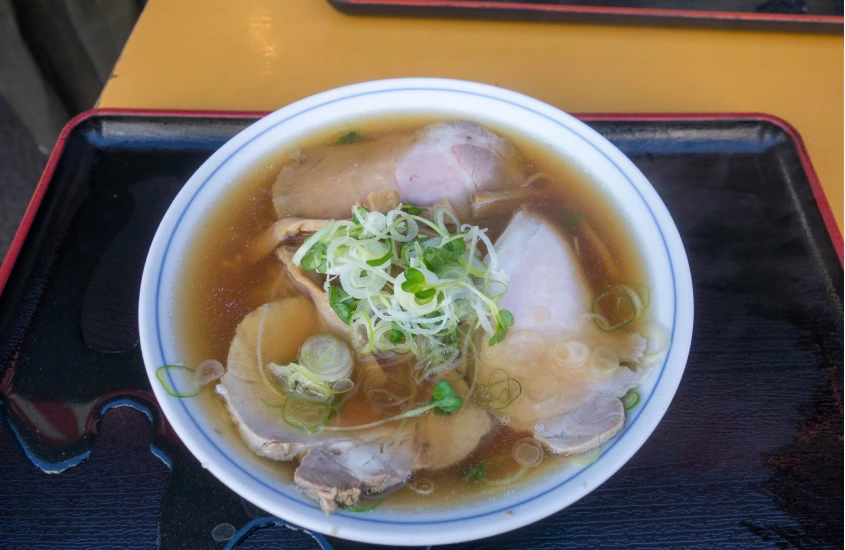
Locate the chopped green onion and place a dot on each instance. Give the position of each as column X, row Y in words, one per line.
column 349, row 137
column 425, row 296
column 500, row 391
column 383, row 260
column 572, row 219
column 361, row 333
column 412, row 247
column 306, row 415
column 623, row 298
column 310, row 242
column 327, row 357
column 645, row 295
column 185, row 373
column 343, row 385
column 301, row 382
column 630, row 400
column 477, row 472
column 411, row 209
column 444, row 399
column 396, row 335
column 414, row 281
column 315, row 259
column 505, row 321
column 436, row 259
column 342, row 303
column 208, row 371
column 422, row 278
column 359, row 214
column 604, row 361
column 382, row 337
column 359, row 509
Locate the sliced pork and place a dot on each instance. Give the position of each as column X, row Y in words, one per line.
column 569, row 400
column 441, row 161
column 335, row 467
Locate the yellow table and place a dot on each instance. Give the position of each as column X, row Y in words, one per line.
column 263, row 54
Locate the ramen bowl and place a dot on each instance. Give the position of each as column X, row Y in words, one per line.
column 636, row 201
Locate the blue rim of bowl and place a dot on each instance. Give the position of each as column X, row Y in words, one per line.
column 311, row 505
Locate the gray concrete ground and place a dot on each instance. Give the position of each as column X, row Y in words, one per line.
column 55, row 57
column 21, row 164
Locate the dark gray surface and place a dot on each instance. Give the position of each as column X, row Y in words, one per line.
column 21, row 164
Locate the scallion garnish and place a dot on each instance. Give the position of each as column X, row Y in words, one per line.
column 572, row 219
column 630, row 400
column 302, row 382
column 500, row 391
column 349, row 137
column 185, row 377
column 623, row 306
column 359, row 508
column 308, row 416
column 315, row 260
column 476, row 472
column 405, row 283
column 411, row 209
column 342, row 303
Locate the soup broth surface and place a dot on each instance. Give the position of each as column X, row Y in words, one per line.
column 220, row 286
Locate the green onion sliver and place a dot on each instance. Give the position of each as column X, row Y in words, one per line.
column 163, row 375
column 361, row 333
column 381, row 338
column 631, row 306
column 359, row 508
column 311, row 241
column 645, row 295
column 630, row 400
column 306, row 415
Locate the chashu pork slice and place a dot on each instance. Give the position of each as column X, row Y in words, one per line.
column 441, row 161
column 571, row 409
column 335, row 467
column 340, row 465
column 253, row 406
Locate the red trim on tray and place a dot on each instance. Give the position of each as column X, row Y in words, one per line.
column 40, row 189
column 604, row 10
column 815, row 183
column 35, row 201
column 55, row 157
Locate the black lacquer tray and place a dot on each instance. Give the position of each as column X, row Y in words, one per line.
column 749, row 455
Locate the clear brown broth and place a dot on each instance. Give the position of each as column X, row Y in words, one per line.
column 220, row 288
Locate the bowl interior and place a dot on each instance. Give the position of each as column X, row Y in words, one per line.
column 255, row 479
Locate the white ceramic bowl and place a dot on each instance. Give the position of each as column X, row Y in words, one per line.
column 654, row 230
